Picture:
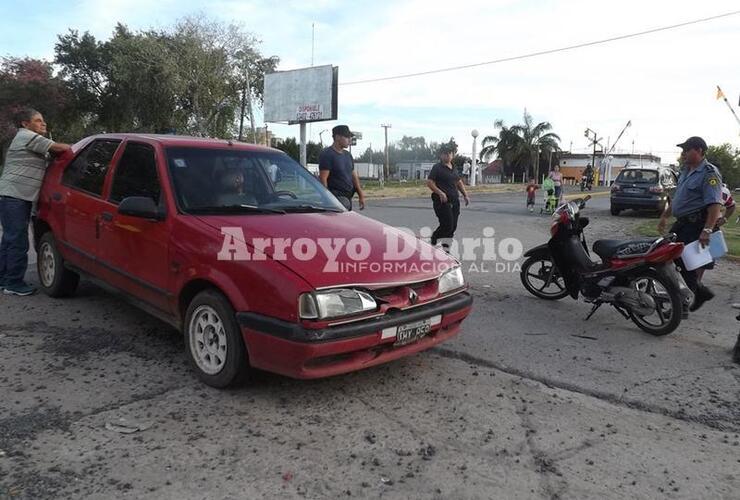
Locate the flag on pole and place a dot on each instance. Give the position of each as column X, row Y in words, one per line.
column 721, row 95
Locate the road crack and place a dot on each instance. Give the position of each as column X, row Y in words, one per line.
column 716, row 423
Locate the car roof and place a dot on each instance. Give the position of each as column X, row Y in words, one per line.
column 638, row 169
column 188, row 141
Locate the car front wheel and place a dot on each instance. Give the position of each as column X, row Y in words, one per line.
column 213, row 340
column 56, row 281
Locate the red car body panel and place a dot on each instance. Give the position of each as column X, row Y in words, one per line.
column 158, row 263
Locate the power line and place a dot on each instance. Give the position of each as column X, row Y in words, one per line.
column 545, row 52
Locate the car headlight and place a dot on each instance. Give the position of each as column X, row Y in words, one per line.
column 335, row 303
column 451, row 280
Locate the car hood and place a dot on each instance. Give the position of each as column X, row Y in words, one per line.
column 351, row 249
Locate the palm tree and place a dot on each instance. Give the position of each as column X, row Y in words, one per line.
column 535, row 140
column 518, row 146
column 506, row 146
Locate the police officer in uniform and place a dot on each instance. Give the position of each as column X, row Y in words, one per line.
column 696, row 206
column 444, row 183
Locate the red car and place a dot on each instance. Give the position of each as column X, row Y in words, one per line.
column 246, row 252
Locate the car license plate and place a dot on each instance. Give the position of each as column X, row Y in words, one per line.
column 412, row 332
column 633, row 190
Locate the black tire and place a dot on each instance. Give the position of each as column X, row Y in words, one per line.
column 614, row 210
column 530, row 271
column 226, row 363
column 669, row 296
column 54, row 278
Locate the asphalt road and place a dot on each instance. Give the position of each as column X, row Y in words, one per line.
column 529, row 401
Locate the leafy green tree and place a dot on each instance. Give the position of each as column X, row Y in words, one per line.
column 506, row 145
column 293, row 149
column 370, row 156
column 32, row 83
column 189, row 78
column 727, row 159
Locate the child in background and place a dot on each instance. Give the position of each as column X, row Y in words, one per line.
column 531, row 191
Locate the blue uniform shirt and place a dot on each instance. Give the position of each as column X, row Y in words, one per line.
column 697, row 189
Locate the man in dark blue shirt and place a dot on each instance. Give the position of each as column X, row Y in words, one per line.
column 337, row 169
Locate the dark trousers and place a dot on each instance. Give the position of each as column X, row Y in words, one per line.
column 447, row 214
column 15, row 215
column 344, row 197
column 688, row 231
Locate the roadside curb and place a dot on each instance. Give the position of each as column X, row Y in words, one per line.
column 581, row 195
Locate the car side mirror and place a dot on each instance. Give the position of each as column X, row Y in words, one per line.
column 140, row 206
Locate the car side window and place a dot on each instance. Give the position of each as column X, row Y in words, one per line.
column 136, row 174
column 87, row 171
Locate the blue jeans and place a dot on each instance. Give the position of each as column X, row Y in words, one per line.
column 15, row 216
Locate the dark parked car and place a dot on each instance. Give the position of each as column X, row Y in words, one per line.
column 642, row 189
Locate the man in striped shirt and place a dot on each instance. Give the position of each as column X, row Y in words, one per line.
column 20, row 182
column 728, row 205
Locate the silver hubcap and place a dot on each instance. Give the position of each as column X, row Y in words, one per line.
column 208, row 340
column 48, row 265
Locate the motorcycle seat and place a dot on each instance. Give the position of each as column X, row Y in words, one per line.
column 621, row 248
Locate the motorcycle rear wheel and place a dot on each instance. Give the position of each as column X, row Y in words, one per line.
column 667, row 315
column 535, row 278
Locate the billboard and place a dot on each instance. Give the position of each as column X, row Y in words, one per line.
column 301, row 95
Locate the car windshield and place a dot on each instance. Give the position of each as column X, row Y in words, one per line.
column 647, row 176
column 235, row 181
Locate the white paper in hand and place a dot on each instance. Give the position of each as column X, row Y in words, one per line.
column 694, row 256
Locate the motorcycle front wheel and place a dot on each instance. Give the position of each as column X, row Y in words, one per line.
column 542, row 279
column 667, row 314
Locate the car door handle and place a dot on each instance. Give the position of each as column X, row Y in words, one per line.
column 56, row 196
column 106, row 216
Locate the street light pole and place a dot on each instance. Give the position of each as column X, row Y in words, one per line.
column 387, row 166
column 241, row 114
column 474, row 163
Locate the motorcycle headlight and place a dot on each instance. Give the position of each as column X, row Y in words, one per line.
column 451, row 280
column 335, row 303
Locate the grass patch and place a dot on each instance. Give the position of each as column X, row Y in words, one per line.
column 415, row 189
column 731, row 231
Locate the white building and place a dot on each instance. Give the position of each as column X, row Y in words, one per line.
column 413, row 171
column 572, row 165
column 368, row 170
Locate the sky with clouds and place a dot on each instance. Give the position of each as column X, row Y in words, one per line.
column 665, row 82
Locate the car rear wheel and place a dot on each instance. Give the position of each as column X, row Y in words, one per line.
column 214, row 342
column 56, row 281
column 615, row 211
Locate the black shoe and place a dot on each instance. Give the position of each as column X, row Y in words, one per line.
column 702, row 295
column 736, row 351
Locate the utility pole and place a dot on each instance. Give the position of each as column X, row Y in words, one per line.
column 241, row 114
column 387, row 166
column 594, row 138
column 474, row 163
